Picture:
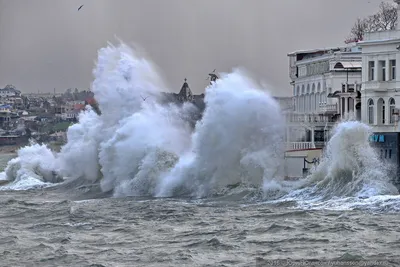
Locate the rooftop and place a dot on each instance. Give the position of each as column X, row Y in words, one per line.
column 349, row 48
column 380, row 36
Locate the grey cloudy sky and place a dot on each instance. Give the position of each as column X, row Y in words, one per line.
column 46, row 44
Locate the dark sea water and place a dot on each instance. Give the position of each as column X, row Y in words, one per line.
column 46, row 228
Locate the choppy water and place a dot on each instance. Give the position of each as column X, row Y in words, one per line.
column 137, row 186
column 40, row 228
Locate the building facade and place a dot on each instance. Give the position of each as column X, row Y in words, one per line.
column 326, row 86
column 380, row 95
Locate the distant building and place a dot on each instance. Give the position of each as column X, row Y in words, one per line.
column 8, row 91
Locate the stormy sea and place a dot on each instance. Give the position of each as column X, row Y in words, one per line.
column 137, row 185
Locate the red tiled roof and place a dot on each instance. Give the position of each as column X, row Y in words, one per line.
column 79, row 106
column 90, row 101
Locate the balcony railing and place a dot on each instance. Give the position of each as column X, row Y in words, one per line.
column 309, row 118
column 328, row 108
column 299, row 145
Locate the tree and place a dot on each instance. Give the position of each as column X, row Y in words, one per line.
column 385, row 19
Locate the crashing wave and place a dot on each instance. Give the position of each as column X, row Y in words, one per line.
column 146, row 148
column 149, row 148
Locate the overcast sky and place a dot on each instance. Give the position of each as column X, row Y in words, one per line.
column 46, row 44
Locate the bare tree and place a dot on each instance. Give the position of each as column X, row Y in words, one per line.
column 385, row 19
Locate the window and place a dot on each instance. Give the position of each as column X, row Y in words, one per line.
column 370, row 111
column 392, row 105
column 385, row 153
column 371, row 70
column 382, row 67
column 383, row 113
column 390, row 153
column 393, row 69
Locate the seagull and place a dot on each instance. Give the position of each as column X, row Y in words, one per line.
column 79, row 8
column 144, row 98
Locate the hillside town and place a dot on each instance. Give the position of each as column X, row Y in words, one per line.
column 43, row 117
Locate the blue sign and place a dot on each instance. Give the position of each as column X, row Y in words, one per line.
column 377, row 138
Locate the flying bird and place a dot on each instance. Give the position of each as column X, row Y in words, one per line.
column 79, row 8
column 144, row 98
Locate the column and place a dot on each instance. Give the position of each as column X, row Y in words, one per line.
column 376, row 70
column 312, row 137
column 387, row 70
column 376, row 110
column 397, row 66
column 287, row 135
column 346, row 106
column 387, row 111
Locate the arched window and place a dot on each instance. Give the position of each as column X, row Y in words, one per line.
column 371, row 111
column 392, row 105
column 319, row 87
column 380, row 105
column 303, row 90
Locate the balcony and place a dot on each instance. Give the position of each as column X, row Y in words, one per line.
column 380, row 86
column 328, row 108
column 309, row 118
column 299, row 145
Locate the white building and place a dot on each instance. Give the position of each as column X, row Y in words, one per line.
column 380, row 93
column 8, row 91
column 326, row 86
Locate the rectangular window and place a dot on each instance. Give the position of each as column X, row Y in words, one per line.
column 382, row 67
column 371, row 70
column 393, row 69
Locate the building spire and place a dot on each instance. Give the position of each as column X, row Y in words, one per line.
column 185, row 93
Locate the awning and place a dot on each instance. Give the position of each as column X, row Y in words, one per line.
column 348, row 65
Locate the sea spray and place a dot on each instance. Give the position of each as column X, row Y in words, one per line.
column 237, row 142
column 78, row 158
column 34, row 166
column 141, row 147
column 350, row 167
column 144, row 146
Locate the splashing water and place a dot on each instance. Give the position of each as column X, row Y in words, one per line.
column 144, row 148
column 350, row 172
column 237, row 141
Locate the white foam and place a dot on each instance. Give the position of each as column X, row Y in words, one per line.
column 145, row 148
